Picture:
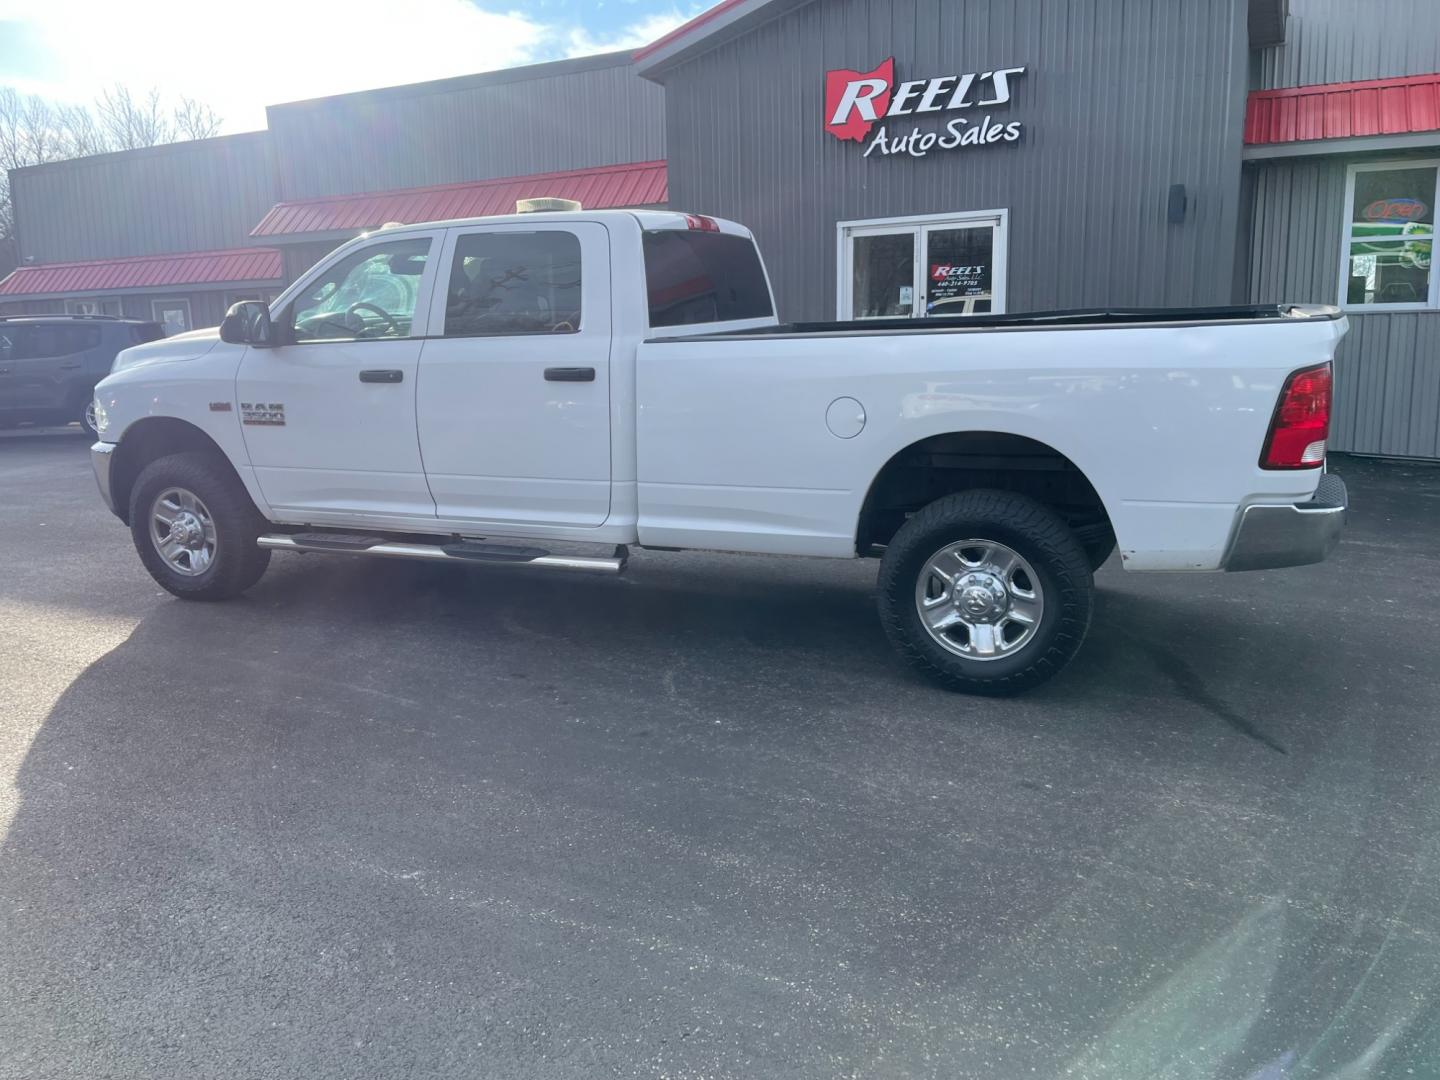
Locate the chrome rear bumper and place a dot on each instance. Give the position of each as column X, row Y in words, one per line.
column 1269, row 537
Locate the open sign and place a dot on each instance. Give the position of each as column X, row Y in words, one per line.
column 1395, row 210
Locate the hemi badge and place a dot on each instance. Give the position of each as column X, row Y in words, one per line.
column 219, row 406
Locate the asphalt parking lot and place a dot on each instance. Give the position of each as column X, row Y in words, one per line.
column 388, row 820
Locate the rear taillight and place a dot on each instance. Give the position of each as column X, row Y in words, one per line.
column 1302, row 422
column 701, row 223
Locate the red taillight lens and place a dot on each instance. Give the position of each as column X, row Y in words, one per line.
column 701, row 223
column 1302, row 422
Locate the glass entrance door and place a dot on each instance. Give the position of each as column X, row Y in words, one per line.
column 959, row 270
column 911, row 268
column 883, row 275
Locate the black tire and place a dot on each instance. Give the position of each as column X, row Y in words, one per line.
column 237, row 562
column 1029, row 529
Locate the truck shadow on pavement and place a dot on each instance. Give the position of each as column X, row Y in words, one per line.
column 392, row 819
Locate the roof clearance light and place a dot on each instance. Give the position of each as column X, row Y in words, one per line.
column 700, row 223
column 545, row 204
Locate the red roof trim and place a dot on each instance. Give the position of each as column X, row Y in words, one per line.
column 643, row 183
column 145, row 271
column 1343, row 110
column 685, row 29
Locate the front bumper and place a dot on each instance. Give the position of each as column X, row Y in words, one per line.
column 101, row 455
column 1269, row 537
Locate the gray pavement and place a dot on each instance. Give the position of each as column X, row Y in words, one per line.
column 387, row 820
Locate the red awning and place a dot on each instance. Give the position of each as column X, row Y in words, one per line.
column 256, row 265
column 638, row 184
column 1343, row 110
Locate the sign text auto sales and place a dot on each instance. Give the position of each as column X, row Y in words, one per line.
column 856, row 101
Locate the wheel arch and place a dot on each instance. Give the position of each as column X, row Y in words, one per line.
column 154, row 437
column 946, row 463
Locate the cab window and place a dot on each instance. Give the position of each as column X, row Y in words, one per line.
column 514, row 283
column 368, row 295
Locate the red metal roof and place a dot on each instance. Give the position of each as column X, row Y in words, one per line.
column 1343, row 110
column 146, row 271
column 638, row 184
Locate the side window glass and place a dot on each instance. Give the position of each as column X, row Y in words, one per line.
column 514, row 283
column 368, row 295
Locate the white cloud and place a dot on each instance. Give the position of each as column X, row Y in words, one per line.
column 239, row 58
column 580, row 42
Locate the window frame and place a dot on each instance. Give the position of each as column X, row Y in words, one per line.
column 282, row 309
column 160, row 303
column 73, row 305
column 1347, row 237
column 920, row 226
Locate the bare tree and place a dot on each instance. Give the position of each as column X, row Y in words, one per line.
column 34, row 131
column 130, row 122
column 195, row 120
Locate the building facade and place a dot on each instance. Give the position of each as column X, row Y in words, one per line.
column 894, row 157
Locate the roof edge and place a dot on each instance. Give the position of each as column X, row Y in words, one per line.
column 723, row 21
column 519, row 73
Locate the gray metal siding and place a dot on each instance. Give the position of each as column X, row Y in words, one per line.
column 386, row 139
column 1387, row 372
column 1351, row 40
column 195, row 196
column 1120, row 101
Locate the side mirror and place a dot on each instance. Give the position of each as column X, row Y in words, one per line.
column 248, row 323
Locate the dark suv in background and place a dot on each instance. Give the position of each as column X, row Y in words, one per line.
column 49, row 364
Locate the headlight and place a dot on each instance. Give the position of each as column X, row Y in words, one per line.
column 102, row 418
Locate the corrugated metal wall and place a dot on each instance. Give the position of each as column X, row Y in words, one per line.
column 1350, row 41
column 1387, row 373
column 1121, row 100
column 569, row 115
column 195, row 196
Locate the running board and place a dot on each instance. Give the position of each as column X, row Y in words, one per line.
column 467, row 552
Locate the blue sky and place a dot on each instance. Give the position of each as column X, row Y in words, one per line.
column 239, row 57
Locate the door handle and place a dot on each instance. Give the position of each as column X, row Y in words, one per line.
column 70, row 365
column 569, row 374
column 383, row 375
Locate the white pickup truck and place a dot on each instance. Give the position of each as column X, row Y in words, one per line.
column 551, row 389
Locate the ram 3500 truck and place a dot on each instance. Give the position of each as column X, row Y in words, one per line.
column 493, row 390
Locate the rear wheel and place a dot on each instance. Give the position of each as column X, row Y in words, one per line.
column 195, row 528
column 986, row 592
column 87, row 420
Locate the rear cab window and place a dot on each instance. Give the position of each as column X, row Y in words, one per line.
column 140, row 333
column 697, row 276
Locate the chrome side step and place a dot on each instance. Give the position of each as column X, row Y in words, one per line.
column 467, row 551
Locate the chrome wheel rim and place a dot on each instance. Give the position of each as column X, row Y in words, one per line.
column 183, row 531
column 979, row 599
column 90, row 418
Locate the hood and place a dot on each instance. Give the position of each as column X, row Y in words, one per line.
column 186, row 346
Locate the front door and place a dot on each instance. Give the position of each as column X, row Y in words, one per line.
column 910, row 268
column 514, row 393
column 329, row 416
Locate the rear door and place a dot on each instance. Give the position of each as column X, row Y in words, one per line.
column 47, row 364
column 513, row 400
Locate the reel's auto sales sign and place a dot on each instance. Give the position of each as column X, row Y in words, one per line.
column 856, row 101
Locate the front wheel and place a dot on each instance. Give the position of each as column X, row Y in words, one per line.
column 986, row 592
column 195, row 528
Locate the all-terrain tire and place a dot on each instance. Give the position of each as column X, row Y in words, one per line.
column 1029, row 529
column 236, row 563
